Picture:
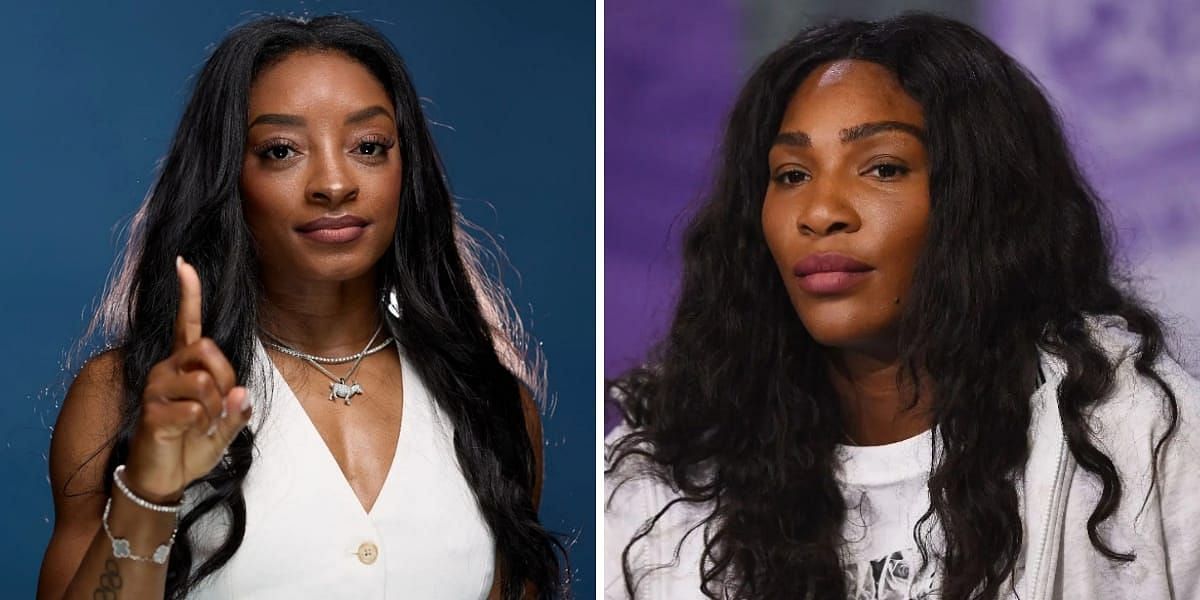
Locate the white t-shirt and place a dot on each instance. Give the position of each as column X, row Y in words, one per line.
column 886, row 493
column 1056, row 498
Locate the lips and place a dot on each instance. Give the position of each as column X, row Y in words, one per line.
column 334, row 230
column 829, row 273
column 338, row 222
column 828, row 262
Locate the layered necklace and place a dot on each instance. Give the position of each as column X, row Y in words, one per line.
column 338, row 386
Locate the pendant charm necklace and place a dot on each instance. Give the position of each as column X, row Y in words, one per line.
column 338, row 387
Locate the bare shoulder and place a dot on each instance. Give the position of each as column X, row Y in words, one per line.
column 79, row 449
column 533, row 427
column 89, row 417
column 533, row 416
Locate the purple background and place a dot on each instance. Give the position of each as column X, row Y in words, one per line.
column 1125, row 76
column 670, row 73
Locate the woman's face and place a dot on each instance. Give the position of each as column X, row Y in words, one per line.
column 321, row 144
column 847, row 206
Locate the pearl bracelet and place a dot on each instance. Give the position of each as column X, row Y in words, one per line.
column 172, row 508
column 120, row 546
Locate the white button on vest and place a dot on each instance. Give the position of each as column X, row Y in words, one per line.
column 367, row 553
column 338, row 553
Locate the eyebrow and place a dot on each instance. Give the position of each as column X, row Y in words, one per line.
column 357, row 116
column 859, row 132
column 851, row 134
column 274, row 119
column 367, row 113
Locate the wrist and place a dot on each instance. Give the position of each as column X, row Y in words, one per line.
column 137, row 534
column 132, row 480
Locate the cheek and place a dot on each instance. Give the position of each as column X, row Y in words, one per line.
column 906, row 243
column 255, row 208
column 264, row 202
column 390, row 187
column 775, row 226
column 386, row 187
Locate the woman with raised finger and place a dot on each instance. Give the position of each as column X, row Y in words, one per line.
column 321, row 398
column 903, row 363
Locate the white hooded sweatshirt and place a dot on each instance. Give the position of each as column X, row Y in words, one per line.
column 1057, row 560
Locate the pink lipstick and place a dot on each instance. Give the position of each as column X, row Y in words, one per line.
column 334, row 230
column 830, row 273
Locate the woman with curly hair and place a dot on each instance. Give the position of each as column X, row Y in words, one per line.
column 318, row 399
column 903, row 363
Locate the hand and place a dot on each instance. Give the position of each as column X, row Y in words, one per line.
column 192, row 407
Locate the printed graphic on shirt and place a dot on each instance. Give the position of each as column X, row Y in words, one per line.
column 896, row 576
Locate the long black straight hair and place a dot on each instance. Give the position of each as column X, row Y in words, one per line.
column 453, row 327
column 735, row 410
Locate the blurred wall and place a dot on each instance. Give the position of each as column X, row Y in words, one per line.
column 1125, row 76
column 93, row 94
column 670, row 70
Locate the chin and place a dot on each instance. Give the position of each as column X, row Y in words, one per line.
column 844, row 325
column 339, row 267
column 835, row 335
column 337, row 261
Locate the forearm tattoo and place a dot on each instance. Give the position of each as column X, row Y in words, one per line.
column 110, row 582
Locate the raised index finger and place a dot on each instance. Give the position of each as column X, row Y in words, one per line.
column 187, row 320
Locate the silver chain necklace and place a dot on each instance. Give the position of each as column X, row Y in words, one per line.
column 338, row 388
column 324, row 359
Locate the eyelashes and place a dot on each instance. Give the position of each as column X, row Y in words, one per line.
column 886, row 171
column 379, row 143
column 275, row 150
column 792, row 177
column 889, row 171
column 374, row 147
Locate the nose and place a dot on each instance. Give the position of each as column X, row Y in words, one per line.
column 829, row 212
column 331, row 181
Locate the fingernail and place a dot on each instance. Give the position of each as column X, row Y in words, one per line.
column 178, row 261
column 212, row 429
column 245, row 400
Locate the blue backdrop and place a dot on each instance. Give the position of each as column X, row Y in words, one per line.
column 92, row 98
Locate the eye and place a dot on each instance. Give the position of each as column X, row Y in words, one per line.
column 792, row 177
column 279, row 152
column 889, row 170
column 276, row 150
column 374, row 146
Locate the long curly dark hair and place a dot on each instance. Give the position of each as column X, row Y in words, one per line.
column 450, row 329
column 735, row 408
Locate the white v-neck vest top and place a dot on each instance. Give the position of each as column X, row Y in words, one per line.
column 307, row 535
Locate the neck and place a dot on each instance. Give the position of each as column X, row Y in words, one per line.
column 325, row 318
column 877, row 404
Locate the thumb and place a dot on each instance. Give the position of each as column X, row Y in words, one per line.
column 237, row 413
